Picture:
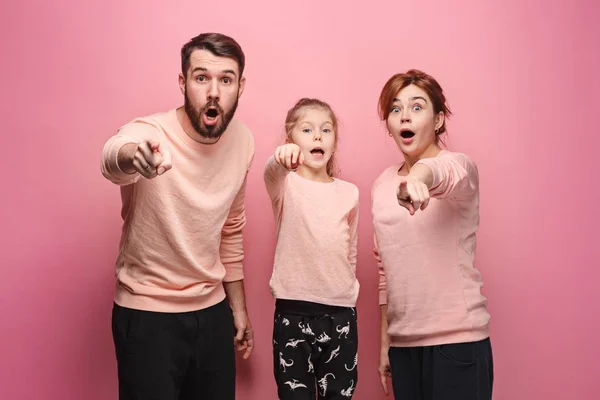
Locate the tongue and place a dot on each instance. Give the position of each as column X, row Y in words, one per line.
column 209, row 120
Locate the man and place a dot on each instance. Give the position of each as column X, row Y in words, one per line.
column 180, row 291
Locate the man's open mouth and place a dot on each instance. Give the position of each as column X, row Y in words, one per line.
column 212, row 113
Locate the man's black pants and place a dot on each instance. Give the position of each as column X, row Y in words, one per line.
column 175, row 356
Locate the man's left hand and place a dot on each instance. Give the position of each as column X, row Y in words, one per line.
column 244, row 337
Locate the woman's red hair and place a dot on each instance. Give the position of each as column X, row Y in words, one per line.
column 420, row 79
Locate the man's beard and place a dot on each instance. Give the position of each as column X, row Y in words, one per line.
column 210, row 131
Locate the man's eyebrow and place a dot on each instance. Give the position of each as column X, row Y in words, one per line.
column 225, row 71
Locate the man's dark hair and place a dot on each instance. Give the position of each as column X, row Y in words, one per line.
column 218, row 44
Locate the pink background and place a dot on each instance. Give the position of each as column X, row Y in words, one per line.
column 521, row 79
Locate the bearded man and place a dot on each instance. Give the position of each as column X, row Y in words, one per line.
column 179, row 308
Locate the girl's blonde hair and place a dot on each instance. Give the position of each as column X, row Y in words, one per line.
column 293, row 115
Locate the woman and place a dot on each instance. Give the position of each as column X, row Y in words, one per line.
column 434, row 323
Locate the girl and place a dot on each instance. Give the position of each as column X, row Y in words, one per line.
column 434, row 321
column 314, row 283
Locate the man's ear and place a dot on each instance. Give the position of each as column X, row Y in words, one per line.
column 242, row 85
column 182, row 83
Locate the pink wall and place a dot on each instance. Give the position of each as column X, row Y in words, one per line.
column 521, row 79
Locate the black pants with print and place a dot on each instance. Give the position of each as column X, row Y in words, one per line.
column 457, row 371
column 315, row 351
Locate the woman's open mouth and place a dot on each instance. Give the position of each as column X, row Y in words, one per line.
column 407, row 136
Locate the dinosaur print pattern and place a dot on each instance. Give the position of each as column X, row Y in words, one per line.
column 293, row 343
column 344, row 330
column 353, row 365
column 334, row 353
column 323, row 383
column 322, row 338
column 306, row 329
column 294, row 384
column 318, row 354
column 283, row 363
column 348, row 392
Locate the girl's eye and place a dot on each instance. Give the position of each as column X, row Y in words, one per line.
column 326, row 130
column 306, row 130
column 395, row 109
column 417, row 107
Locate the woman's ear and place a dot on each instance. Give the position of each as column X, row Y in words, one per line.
column 439, row 121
